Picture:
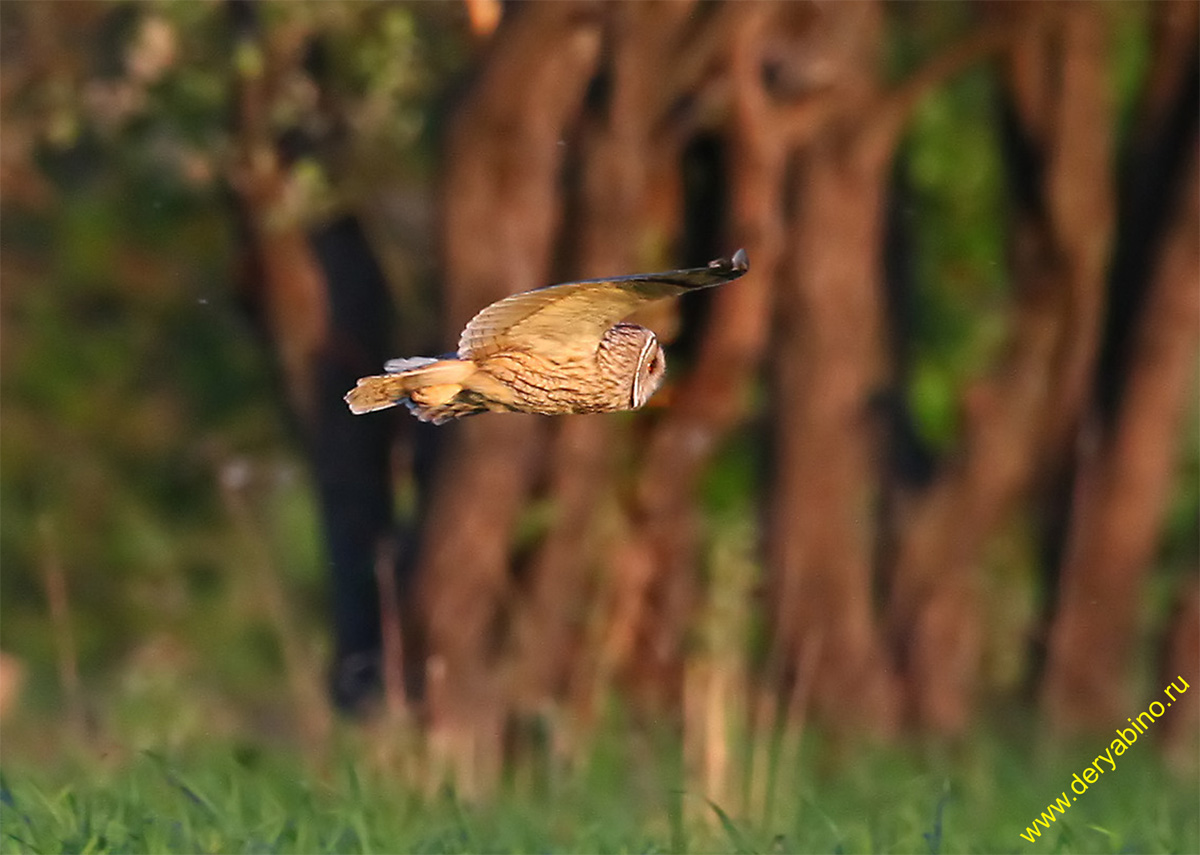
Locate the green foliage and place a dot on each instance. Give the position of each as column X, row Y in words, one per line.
column 957, row 182
column 244, row 798
column 128, row 370
column 1130, row 23
column 959, row 210
column 953, row 175
column 131, row 372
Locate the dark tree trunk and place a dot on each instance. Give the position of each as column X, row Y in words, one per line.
column 1027, row 411
column 1123, row 485
column 618, row 152
column 500, row 210
column 351, row 456
column 1127, row 449
column 325, row 307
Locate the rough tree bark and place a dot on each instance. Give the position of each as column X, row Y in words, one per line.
column 326, row 310
column 660, row 554
column 619, row 150
column 828, row 361
column 500, row 210
column 1025, row 410
column 1122, row 489
column 822, row 525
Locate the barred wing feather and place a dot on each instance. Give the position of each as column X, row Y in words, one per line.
column 572, row 317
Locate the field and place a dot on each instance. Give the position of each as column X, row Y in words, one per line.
column 246, row 798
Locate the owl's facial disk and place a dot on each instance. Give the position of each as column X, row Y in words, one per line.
column 651, row 368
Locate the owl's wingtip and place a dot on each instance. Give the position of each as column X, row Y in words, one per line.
column 740, row 263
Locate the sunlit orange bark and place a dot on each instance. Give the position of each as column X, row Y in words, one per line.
column 1122, row 489
column 618, row 152
column 1030, row 405
column 828, row 362
column 500, row 209
column 709, row 402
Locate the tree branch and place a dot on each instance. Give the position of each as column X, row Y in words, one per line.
column 897, row 106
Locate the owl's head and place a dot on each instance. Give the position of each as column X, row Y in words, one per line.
column 651, row 369
column 631, row 360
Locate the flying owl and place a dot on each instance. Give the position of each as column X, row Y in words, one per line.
column 554, row 350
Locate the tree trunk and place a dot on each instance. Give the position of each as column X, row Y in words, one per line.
column 1180, row 663
column 500, row 218
column 1154, row 165
column 712, row 398
column 1122, row 489
column 619, row 148
column 326, row 310
column 829, row 363
column 1028, row 410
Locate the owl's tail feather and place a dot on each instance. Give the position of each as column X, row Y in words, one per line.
column 438, row 378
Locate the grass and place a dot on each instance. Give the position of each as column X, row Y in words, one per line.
column 245, row 798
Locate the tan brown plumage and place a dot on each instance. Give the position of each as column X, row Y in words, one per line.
column 555, row 350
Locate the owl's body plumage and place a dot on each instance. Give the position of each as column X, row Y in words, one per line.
column 555, row 350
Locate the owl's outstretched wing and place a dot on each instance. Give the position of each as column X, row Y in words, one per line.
column 572, row 317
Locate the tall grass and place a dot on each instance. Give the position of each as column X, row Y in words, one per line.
column 630, row 795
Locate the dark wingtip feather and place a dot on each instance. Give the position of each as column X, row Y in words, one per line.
column 740, row 263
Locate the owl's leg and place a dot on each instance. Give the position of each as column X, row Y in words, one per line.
column 432, row 397
column 463, row 403
column 479, row 392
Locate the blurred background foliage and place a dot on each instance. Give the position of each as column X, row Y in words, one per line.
column 131, row 371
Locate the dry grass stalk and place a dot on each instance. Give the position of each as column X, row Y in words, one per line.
column 390, row 630
column 775, row 740
column 792, row 726
column 696, row 677
column 12, row 677
column 58, row 598
column 762, row 739
column 312, row 712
